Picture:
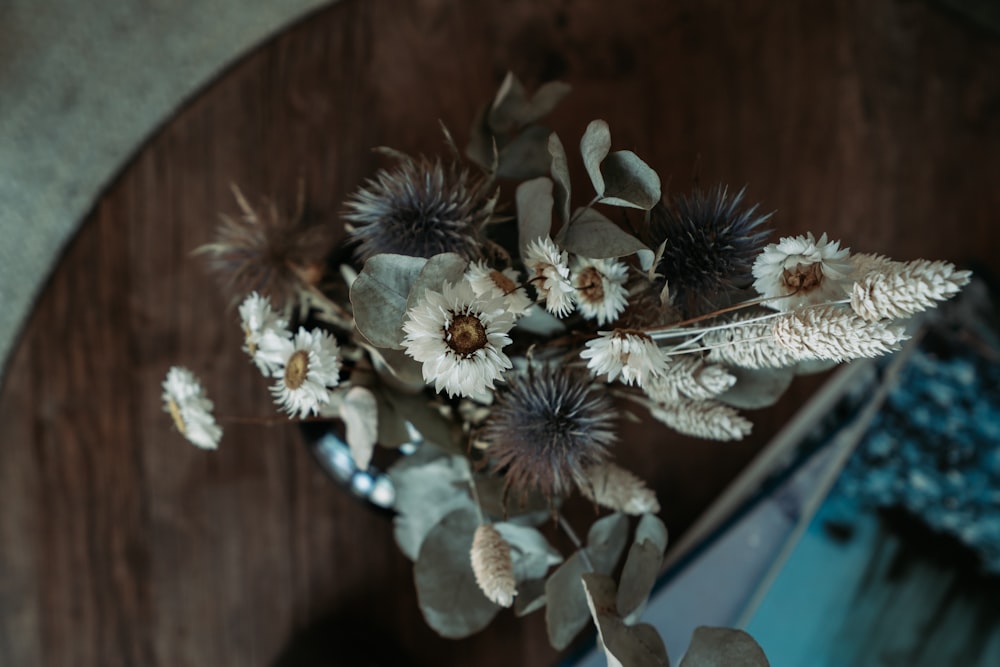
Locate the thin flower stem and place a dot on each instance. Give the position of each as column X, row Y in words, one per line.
column 663, row 333
column 475, row 498
column 568, row 529
column 706, row 348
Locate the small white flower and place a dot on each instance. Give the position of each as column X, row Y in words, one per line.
column 600, row 288
column 458, row 337
column 306, row 367
column 184, row 399
column 491, row 283
column 551, row 275
column 813, row 271
column 631, row 354
column 260, row 321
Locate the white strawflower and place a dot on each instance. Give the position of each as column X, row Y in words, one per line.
column 631, row 354
column 803, row 271
column 306, row 367
column 491, row 282
column 835, row 333
column 260, row 320
column 703, row 419
column 600, row 288
column 185, row 400
column 901, row 289
column 688, row 376
column 493, row 566
column 612, row 486
column 458, row 337
column 550, row 267
column 748, row 344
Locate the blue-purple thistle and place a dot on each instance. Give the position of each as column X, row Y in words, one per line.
column 420, row 208
column 712, row 240
column 546, row 427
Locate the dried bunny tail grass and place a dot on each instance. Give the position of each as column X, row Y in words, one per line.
column 493, row 566
column 901, row 289
column 865, row 263
column 703, row 419
column 835, row 333
column 691, row 377
column 747, row 344
column 614, row 487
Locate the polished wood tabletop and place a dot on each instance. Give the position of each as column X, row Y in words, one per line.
column 120, row 544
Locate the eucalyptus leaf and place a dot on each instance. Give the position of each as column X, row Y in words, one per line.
column 723, row 647
column 642, row 565
column 540, row 322
column 426, row 491
column 606, row 541
column 757, row 387
column 534, row 210
column 449, row 597
column 624, row 645
column 592, row 235
column 428, row 421
column 560, row 174
column 379, row 295
column 359, row 411
column 594, row 147
column 527, row 155
column 439, row 269
column 480, row 146
column 814, row 366
column 530, row 597
column 530, row 551
column 652, row 528
column 397, row 369
column 566, row 610
column 513, row 108
column 392, row 430
column 630, row 182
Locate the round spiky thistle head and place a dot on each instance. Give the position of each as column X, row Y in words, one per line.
column 269, row 252
column 711, row 242
column 546, row 427
column 420, row 208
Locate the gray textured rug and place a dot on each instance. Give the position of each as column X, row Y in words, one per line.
column 82, row 85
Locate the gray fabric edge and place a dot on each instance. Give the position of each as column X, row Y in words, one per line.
column 82, row 86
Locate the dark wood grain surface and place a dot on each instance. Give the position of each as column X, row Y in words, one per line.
column 878, row 122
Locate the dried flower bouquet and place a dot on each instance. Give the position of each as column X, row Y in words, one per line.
column 506, row 338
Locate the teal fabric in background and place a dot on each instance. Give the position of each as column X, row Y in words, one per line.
column 82, row 86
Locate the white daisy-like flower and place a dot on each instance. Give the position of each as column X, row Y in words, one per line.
column 259, row 321
column 185, row 400
column 458, row 337
column 306, row 367
column 631, row 354
column 550, row 267
column 600, row 288
column 491, row 283
column 803, row 271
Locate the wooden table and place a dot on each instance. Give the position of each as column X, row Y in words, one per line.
column 878, row 122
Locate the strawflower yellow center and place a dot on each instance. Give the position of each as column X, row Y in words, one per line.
column 175, row 414
column 803, row 277
column 591, row 285
column 503, row 282
column 465, row 334
column 297, row 369
column 251, row 346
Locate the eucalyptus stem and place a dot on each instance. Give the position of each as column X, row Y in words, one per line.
column 571, row 534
